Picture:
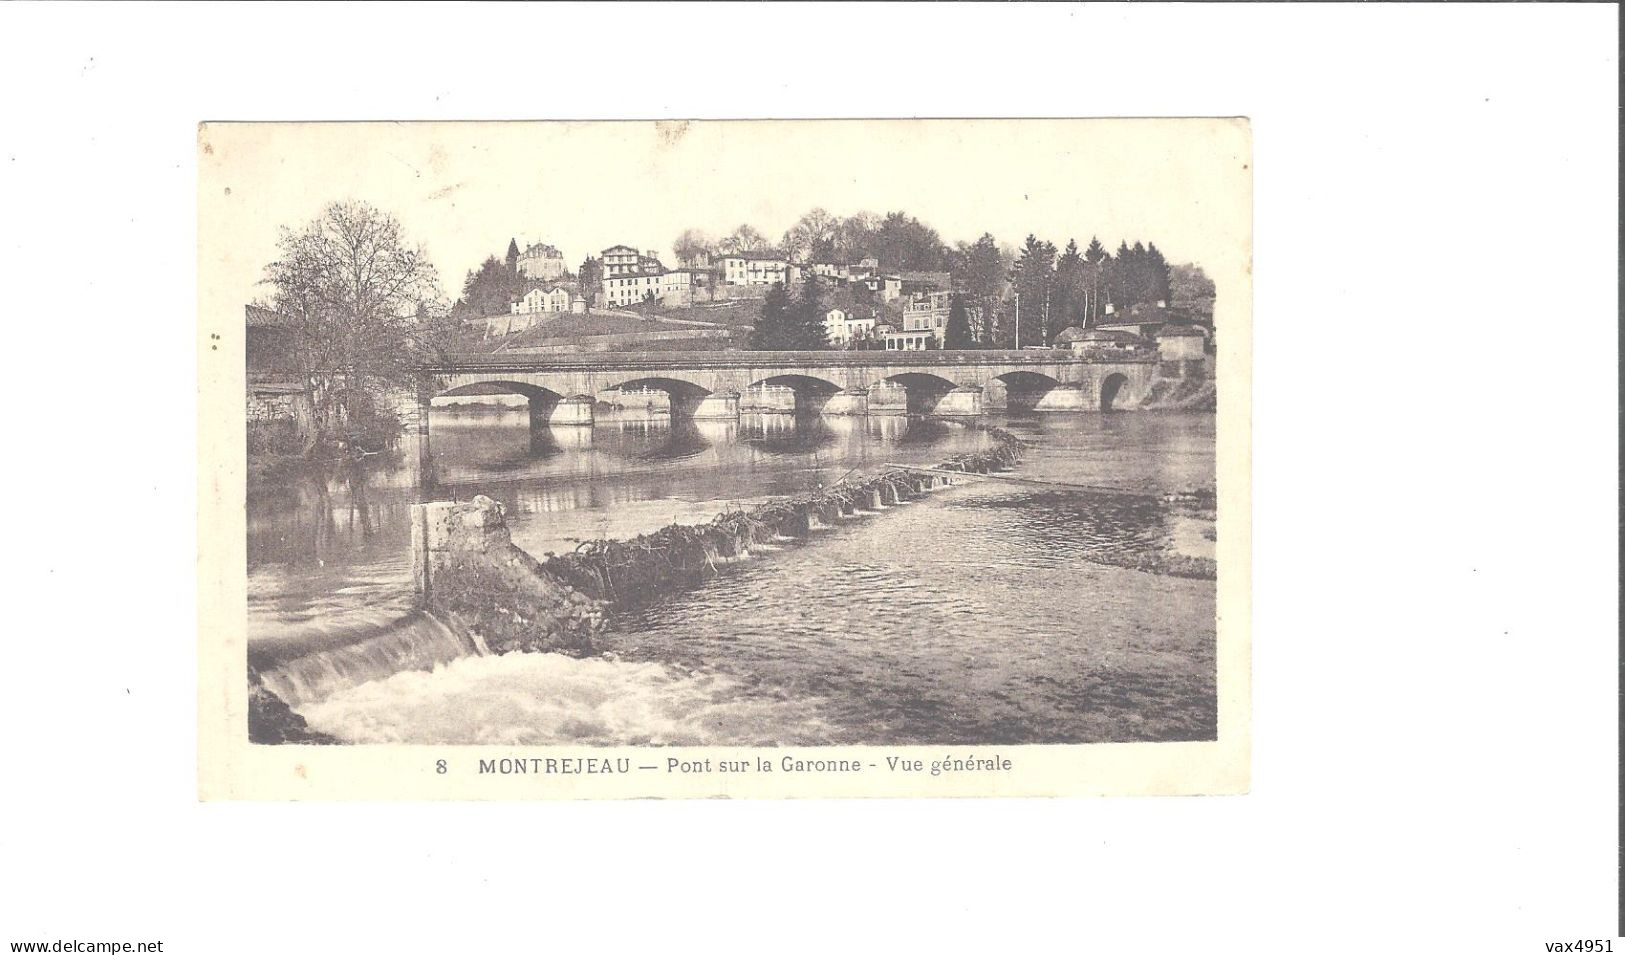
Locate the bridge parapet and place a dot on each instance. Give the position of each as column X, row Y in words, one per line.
column 452, row 364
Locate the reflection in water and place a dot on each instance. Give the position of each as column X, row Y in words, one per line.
column 971, row 616
column 790, row 433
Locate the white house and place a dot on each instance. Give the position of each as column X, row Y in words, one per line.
column 756, row 268
column 543, row 299
column 842, row 327
column 629, row 288
column 619, row 260
column 905, row 340
column 836, row 271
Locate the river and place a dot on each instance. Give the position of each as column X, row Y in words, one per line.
column 980, row 614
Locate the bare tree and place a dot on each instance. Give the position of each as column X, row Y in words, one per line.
column 743, row 239
column 357, row 298
column 810, row 231
column 692, row 242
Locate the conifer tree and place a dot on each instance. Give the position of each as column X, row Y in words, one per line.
column 513, row 257
column 808, row 315
column 957, row 334
column 774, row 330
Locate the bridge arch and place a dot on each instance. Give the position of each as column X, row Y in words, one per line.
column 1110, row 387
column 689, row 399
column 501, row 387
column 547, row 408
column 1021, row 390
column 783, row 394
column 922, row 391
column 675, row 387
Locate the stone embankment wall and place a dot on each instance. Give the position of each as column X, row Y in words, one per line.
column 1182, row 386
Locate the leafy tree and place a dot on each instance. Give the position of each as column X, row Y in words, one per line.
column 775, row 328
column 905, row 243
column 854, row 236
column 1191, row 290
column 353, row 289
column 957, row 335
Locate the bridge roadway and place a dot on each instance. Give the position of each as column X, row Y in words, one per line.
column 562, row 388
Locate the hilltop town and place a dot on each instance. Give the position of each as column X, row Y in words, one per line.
column 724, row 295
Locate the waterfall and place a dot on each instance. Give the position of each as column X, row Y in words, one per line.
column 417, row 642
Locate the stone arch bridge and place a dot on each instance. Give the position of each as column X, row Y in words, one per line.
column 562, row 388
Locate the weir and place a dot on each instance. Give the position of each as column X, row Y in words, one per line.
column 480, row 594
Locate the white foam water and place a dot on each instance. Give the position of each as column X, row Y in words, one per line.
column 548, row 698
column 419, row 642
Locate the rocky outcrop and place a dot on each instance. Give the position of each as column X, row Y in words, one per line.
column 270, row 720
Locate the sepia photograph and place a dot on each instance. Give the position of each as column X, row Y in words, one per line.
column 898, row 477
column 657, row 435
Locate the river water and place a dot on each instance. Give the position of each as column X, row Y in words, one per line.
column 981, row 614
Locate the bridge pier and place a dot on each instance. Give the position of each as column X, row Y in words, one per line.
column 769, row 399
column 1064, row 398
column 887, row 398
column 995, row 396
column 714, row 407
column 853, row 401
column 565, row 411
column 962, row 402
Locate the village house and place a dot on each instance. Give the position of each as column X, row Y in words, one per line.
column 626, row 289
column 863, row 268
column 552, row 298
column 757, row 268
column 896, row 339
column 1144, row 319
column 542, row 261
column 921, row 283
column 834, row 271
column 843, row 326
column 886, row 288
column 619, row 260
column 677, row 288
column 929, row 312
column 1100, row 343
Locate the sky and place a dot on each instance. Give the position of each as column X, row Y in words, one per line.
column 463, row 190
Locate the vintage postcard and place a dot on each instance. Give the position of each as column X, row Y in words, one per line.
column 753, row 459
